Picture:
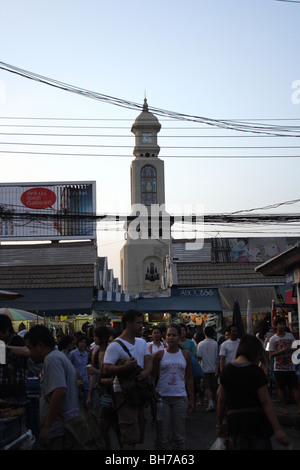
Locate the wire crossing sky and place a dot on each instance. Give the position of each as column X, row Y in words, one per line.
column 223, row 124
column 223, row 79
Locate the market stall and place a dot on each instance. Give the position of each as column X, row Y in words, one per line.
column 14, row 431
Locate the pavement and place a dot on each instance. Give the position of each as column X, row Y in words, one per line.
column 201, row 429
column 290, row 423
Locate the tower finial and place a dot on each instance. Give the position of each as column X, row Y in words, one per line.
column 145, row 106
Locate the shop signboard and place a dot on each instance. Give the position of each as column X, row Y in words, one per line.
column 47, row 211
column 195, row 292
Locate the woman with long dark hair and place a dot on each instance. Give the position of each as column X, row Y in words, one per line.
column 245, row 401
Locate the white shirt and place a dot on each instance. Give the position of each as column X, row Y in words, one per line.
column 171, row 381
column 153, row 348
column 114, row 352
column 228, row 349
column 284, row 361
column 208, row 352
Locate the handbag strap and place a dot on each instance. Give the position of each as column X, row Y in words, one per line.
column 123, row 346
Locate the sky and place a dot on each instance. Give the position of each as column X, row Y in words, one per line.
column 217, row 59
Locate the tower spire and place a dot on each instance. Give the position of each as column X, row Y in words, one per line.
column 145, row 106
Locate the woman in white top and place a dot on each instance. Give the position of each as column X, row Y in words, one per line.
column 172, row 375
column 156, row 344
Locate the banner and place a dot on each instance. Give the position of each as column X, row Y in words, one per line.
column 47, row 211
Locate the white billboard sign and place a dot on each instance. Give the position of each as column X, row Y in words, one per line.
column 47, row 211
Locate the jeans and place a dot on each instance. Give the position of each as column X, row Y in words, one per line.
column 172, row 426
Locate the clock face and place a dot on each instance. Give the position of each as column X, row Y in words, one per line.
column 146, row 137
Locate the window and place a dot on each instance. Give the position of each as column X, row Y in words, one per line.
column 148, row 185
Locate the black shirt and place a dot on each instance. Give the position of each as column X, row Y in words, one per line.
column 241, row 383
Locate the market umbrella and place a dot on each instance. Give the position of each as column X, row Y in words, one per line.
column 7, row 295
column 237, row 318
column 19, row 315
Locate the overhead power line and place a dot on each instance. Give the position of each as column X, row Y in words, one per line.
column 287, row 1
column 130, row 120
column 223, row 124
column 231, row 218
column 97, row 155
column 248, row 147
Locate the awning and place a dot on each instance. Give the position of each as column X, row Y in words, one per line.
column 112, row 306
column 108, row 301
column 179, row 300
column 55, row 301
column 260, row 297
column 105, row 295
column 183, row 300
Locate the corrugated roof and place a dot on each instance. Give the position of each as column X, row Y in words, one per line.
column 180, row 253
column 48, row 253
column 49, row 277
column 223, row 274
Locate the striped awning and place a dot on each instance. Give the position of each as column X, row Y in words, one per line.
column 108, row 296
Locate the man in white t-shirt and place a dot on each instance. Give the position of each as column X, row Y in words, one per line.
column 280, row 348
column 130, row 418
column 229, row 347
column 207, row 352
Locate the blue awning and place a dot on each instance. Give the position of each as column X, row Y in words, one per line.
column 180, row 300
column 60, row 301
column 179, row 304
column 111, row 306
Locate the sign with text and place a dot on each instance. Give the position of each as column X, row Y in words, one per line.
column 47, row 211
column 195, row 292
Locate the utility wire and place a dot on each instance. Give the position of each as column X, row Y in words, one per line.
column 248, row 147
column 224, row 124
column 223, row 157
column 130, row 120
column 288, row 1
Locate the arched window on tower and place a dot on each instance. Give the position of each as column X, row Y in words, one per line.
column 148, row 185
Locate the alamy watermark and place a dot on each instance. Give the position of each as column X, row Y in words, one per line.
column 155, row 223
column 2, row 92
column 296, row 93
column 296, row 354
column 2, row 352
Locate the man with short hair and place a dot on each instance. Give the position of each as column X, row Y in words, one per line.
column 280, row 348
column 207, row 352
column 229, row 347
column 130, row 418
column 59, row 393
column 80, row 358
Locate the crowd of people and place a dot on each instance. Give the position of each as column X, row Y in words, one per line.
column 234, row 377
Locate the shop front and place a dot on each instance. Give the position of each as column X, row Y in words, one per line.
column 191, row 305
column 194, row 306
column 288, row 264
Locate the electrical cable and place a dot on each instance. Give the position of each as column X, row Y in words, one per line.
column 224, row 124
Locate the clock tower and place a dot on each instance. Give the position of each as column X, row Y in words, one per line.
column 148, row 237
